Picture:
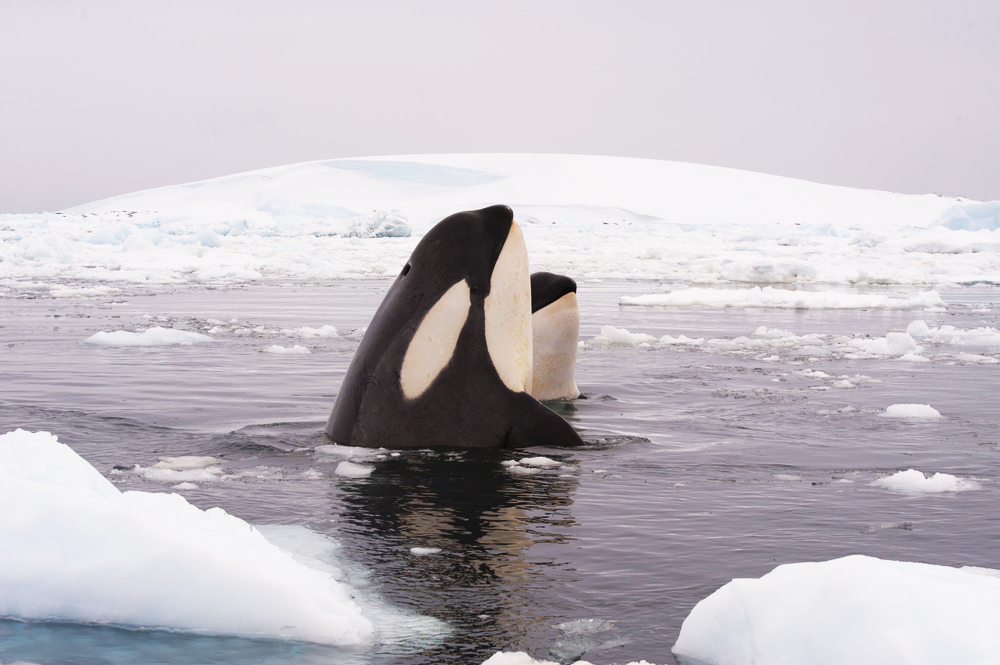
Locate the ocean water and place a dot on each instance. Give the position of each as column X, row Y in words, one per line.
column 702, row 465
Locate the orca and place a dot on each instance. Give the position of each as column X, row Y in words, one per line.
column 555, row 326
column 446, row 360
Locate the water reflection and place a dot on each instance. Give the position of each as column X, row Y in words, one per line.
column 486, row 520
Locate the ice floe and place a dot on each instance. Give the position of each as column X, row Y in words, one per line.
column 75, row 548
column 856, row 610
column 912, row 481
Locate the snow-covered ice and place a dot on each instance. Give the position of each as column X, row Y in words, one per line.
column 912, row 481
column 75, row 548
column 856, row 610
column 587, row 216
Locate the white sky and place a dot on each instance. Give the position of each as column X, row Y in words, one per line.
column 103, row 98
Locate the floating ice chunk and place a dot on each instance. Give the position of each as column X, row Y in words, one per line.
column 781, row 298
column 83, row 291
column 75, row 548
column 293, row 350
column 914, row 482
column 899, row 343
column 856, row 610
column 167, row 475
column 348, row 452
column 976, row 358
column 424, row 551
column 185, row 462
column 911, row 411
column 539, row 461
column 914, row 358
column 772, row 333
column 308, row 333
column 156, row 336
column 985, row 336
column 681, row 339
column 612, row 335
column 349, row 469
column 516, row 658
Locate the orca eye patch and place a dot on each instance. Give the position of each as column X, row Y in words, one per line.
column 434, row 343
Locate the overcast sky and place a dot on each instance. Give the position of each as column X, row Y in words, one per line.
column 102, row 98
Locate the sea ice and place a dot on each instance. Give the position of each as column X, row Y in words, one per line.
column 912, row 481
column 75, row 548
column 856, row 610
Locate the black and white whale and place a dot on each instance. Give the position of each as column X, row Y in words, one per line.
column 555, row 325
column 446, row 360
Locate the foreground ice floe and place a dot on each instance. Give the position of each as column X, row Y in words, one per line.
column 912, row 481
column 856, row 610
column 75, row 548
column 585, row 216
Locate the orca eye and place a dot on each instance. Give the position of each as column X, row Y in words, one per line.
column 406, row 269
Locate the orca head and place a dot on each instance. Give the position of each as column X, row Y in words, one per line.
column 469, row 262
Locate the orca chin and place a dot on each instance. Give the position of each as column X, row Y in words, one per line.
column 447, row 360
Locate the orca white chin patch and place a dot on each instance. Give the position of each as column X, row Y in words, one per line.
column 508, row 313
column 556, row 333
column 434, row 343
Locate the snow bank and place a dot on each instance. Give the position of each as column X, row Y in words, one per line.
column 75, row 548
column 911, row 411
column 781, row 298
column 857, row 610
column 914, row 482
column 585, row 216
column 152, row 337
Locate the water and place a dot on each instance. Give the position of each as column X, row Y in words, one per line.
column 702, row 467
